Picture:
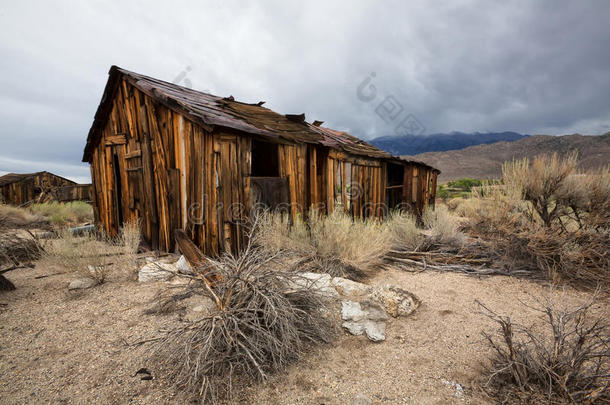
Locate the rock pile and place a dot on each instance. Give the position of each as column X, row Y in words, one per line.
column 364, row 309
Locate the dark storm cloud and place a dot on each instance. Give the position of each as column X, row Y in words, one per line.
column 533, row 67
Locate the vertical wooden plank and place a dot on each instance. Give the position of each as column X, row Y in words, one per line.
column 225, row 184
column 330, row 185
column 344, row 187
column 236, row 197
column 181, row 127
column 125, row 189
column 212, row 182
column 148, row 177
column 313, row 175
column 160, row 163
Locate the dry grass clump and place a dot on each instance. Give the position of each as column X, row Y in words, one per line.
column 86, row 254
column 567, row 362
column 548, row 216
column 404, row 231
column 14, row 217
column 443, row 227
column 129, row 242
column 74, row 212
column 91, row 254
column 262, row 322
column 335, row 244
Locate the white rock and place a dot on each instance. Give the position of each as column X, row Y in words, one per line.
column 351, row 310
column 320, row 282
column 459, row 390
column 156, row 271
column 183, row 266
column 349, row 288
column 364, row 317
column 81, row 283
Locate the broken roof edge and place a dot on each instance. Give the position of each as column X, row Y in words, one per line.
column 11, row 178
column 402, row 160
column 166, row 94
column 116, row 74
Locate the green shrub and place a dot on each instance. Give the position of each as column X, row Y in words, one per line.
column 61, row 213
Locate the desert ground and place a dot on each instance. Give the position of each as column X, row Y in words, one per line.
column 85, row 347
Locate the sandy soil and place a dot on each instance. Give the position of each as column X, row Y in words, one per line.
column 59, row 347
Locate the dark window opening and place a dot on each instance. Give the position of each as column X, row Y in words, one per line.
column 265, row 159
column 396, row 174
column 394, row 188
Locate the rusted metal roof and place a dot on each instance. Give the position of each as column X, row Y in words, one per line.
column 211, row 111
column 10, row 178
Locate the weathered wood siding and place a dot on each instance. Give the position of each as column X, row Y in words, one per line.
column 155, row 166
column 31, row 188
column 76, row 192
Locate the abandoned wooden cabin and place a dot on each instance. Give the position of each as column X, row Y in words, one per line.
column 175, row 158
column 26, row 188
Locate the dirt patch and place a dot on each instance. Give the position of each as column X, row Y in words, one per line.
column 57, row 347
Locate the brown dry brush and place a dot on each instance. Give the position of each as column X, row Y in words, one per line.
column 17, row 250
column 566, row 362
column 549, row 217
column 265, row 318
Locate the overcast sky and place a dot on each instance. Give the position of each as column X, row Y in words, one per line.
column 527, row 66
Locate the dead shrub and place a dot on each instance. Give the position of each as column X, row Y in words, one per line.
column 18, row 247
column 566, row 362
column 261, row 324
column 168, row 300
column 14, row 217
column 578, row 257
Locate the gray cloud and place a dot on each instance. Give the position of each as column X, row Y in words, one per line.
column 533, row 67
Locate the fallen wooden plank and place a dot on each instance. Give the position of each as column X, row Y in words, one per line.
column 195, row 258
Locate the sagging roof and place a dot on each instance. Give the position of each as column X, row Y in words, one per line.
column 10, row 178
column 210, row 111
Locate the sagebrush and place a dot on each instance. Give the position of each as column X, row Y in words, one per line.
column 547, row 215
column 337, row 244
column 565, row 361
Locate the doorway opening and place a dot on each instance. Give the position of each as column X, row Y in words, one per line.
column 119, row 191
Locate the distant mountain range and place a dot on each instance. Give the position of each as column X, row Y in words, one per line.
column 485, row 161
column 413, row 145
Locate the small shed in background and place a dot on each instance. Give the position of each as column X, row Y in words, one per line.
column 26, row 188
